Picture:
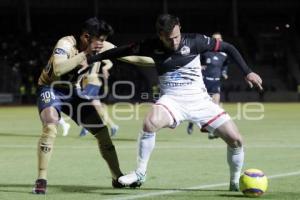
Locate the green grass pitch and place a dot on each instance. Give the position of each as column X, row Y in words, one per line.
column 182, row 167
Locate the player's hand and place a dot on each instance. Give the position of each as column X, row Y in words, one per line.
column 225, row 76
column 105, row 73
column 84, row 64
column 83, row 67
column 254, row 79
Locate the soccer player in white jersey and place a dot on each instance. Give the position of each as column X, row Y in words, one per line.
column 184, row 97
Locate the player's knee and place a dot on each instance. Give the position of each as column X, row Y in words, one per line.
column 49, row 130
column 150, row 124
column 236, row 141
column 49, row 116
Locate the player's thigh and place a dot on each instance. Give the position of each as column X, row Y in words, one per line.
column 49, row 115
column 229, row 132
column 158, row 117
column 49, row 104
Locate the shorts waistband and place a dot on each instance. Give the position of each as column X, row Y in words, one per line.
column 211, row 78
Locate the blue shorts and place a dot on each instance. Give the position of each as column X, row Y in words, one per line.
column 90, row 91
column 69, row 102
column 213, row 87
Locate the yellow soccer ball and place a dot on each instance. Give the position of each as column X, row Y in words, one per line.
column 253, row 183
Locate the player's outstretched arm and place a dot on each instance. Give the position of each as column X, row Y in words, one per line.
column 135, row 60
column 118, row 52
column 142, row 61
column 63, row 65
column 134, row 53
column 251, row 77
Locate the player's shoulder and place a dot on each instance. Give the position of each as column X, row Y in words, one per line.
column 65, row 43
column 223, row 53
column 193, row 36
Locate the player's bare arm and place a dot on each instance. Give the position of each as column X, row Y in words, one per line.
column 62, row 64
column 142, row 61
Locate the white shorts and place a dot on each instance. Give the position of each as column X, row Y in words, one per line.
column 195, row 108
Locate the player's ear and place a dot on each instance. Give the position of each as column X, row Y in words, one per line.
column 86, row 36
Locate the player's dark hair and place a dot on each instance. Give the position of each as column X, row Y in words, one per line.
column 166, row 23
column 96, row 27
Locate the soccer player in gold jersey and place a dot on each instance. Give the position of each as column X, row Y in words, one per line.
column 57, row 93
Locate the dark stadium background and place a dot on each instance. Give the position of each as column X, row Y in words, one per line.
column 265, row 31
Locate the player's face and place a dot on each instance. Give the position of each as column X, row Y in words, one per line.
column 217, row 36
column 171, row 40
column 95, row 42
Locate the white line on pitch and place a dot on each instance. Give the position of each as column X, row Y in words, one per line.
column 200, row 146
column 151, row 194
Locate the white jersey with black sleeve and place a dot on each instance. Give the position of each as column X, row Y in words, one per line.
column 179, row 71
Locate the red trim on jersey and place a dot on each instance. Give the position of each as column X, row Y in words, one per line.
column 159, row 104
column 217, row 47
column 212, row 120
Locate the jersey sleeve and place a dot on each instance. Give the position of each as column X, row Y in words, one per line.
column 143, row 48
column 62, row 49
column 62, row 62
column 235, row 56
column 204, row 43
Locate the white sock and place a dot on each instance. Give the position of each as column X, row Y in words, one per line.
column 146, row 144
column 235, row 159
column 62, row 122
